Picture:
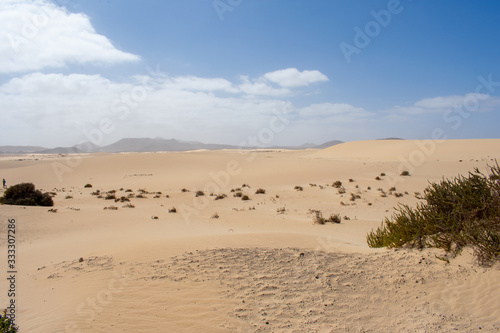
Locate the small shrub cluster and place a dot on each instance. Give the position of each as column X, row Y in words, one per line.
column 463, row 211
column 337, row 184
column 24, row 194
column 260, row 191
column 7, row 324
column 319, row 219
column 88, row 186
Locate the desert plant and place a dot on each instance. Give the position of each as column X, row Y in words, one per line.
column 351, row 180
column 378, row 178
column 260, row 191
column 7, row 324
column 238, row 195
column 298, row 188
column 124, row 199
column 463, row 211
column 172, row 210
column 25, row 194
column 337, row 184
column 129, row 205
column 281, row 210
column 128, row 190
column 68, row 197
column 214, row 216
column 141, row 196
column 184, row 190
column 220, row 197
column 341, row 190
column 88, row 185
column 199, row 193
column 382, row 174
column 110, row 196
column 405, row 173
column 334, row 218
column 245, row 197
column 97, row 192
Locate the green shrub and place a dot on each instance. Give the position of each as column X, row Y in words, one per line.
column 6, row 324
column 24, row 194
column 463, row 211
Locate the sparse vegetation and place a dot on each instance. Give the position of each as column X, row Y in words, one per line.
column 214, row 216
column 111, row 208
column 220, row 197
column 7, row 324
column 405, row 173
column 110, row 196
column 25, row 194
column 382, row 174
column 281, row 210
column 129, row 205
column 351, row 180
column 245, row 198
column 172, row 210
column 319, row 219
column 68, row 197
column 184, row 190
column 378, row 178
column 199, row 193
column 337, row 184
column 341, row 190
column 238, row 195
column 298, row 188
column 260, row 191
column 88, row 186
column 96, row 192
column 463, row 211
column 141, row 196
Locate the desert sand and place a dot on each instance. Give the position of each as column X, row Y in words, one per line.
column 233, row 265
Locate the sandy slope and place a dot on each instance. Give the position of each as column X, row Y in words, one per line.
column 262, row 265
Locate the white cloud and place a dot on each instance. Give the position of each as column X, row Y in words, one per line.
column 291, row 77
column 338, row 112
column 56, row 109
column 470, row 102
column 260, row 87
column 38, row 34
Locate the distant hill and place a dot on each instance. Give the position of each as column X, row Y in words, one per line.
column 144, row 145
column 20, row 149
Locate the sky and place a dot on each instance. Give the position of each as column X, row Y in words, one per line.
column 280, row 72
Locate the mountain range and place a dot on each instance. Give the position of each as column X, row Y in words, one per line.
column 144, row 145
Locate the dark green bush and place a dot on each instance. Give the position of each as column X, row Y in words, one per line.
column 24, row 194
column 464, row 211
column 6, row 324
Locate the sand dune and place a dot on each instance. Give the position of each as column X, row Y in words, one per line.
column 261, row 265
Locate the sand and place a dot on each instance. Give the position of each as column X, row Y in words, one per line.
column 230, row 265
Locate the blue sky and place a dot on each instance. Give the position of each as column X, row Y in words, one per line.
column 220, row 71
